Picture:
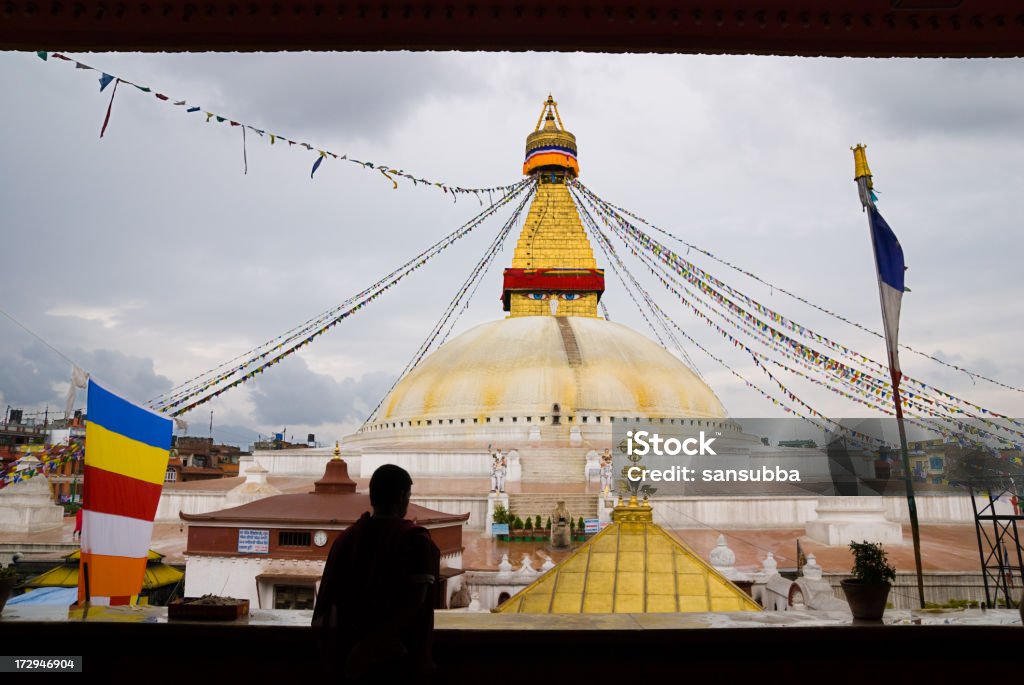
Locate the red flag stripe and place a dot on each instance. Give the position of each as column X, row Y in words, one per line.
column 112, row 493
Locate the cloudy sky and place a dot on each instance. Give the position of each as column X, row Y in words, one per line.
column 148, row 256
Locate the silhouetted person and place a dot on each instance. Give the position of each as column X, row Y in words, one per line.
column 375, row 608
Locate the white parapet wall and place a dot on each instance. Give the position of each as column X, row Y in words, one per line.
column 468, row 464
column 733, row 512
column 296, row 462
column 189, row 502
column 793, row 512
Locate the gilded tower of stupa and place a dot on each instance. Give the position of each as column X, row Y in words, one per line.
column 551, row 365
column 553, row 267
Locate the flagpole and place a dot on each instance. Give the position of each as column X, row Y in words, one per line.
column 915, row 530
column 862, row 175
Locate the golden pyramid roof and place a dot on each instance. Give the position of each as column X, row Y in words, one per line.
column 632, row 566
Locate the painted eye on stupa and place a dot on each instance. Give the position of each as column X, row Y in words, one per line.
column 569, row 297
column 537, row 296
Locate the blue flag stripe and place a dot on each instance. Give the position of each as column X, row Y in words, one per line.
column 888, row 253
column 118, row 415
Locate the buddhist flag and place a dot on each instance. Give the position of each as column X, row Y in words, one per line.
column 126, row 452
column 889, row 263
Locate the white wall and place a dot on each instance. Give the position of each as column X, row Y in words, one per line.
column 236, row 576
column 188, row 501
column 433, row 464
column 792, row 512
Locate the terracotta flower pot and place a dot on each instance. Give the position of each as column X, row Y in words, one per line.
column 867, row 600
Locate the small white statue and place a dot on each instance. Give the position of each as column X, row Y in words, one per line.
column 499, row 468
column 606, row 472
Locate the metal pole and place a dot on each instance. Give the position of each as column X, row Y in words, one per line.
column 908, row 480
column 981, row 550
column 863, row 177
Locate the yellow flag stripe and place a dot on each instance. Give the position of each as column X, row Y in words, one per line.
column 118, row 454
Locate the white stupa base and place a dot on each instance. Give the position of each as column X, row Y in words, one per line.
column 26, row 507
column 842, row 520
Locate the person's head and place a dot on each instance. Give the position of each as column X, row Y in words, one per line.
column 390, row 489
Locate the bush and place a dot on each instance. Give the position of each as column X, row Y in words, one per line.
column 870, row 564
column 536, row 521
column 517, row 523
column 501, row 514
column 529, row 524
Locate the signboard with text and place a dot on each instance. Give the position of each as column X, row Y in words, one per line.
column 253, row 541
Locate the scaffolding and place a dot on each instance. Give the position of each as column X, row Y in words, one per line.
column 1002, row 561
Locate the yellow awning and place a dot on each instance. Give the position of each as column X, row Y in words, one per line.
column 66, row 575
column 632, row 566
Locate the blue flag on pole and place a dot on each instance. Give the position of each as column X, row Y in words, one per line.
column 890, row 265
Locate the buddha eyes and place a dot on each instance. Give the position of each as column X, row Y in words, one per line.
column 568, row 297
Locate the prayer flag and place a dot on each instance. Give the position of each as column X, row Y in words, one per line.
column 127, row 448
column 890, row 266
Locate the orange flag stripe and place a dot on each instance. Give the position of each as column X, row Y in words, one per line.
column 111, row 576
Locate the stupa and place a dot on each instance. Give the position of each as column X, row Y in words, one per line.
column 552, row 378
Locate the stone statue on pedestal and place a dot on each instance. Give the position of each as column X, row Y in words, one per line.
column 499, row 467
column 606, row 472
column 561, row 535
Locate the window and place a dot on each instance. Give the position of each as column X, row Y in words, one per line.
column 293, row 596
column 936, row 463
column 294, row 538
column 171, row 476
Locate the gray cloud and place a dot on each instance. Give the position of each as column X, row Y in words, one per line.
column 294, row 394
column 33, row 374
column 364, row 96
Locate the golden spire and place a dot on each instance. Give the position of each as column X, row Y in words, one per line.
column 632, row 566
column 553, row 272
column 860, row 162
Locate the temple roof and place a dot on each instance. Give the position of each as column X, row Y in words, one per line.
column 333, row 501
column 632, row 566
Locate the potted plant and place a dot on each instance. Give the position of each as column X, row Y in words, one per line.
column 572, row 529
column 502, row 515
column 581, row 529
column 868, row 590
column 547, row 529
column 8, row 579
column 517, row 529
column 538, row 529
column 528, row 529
